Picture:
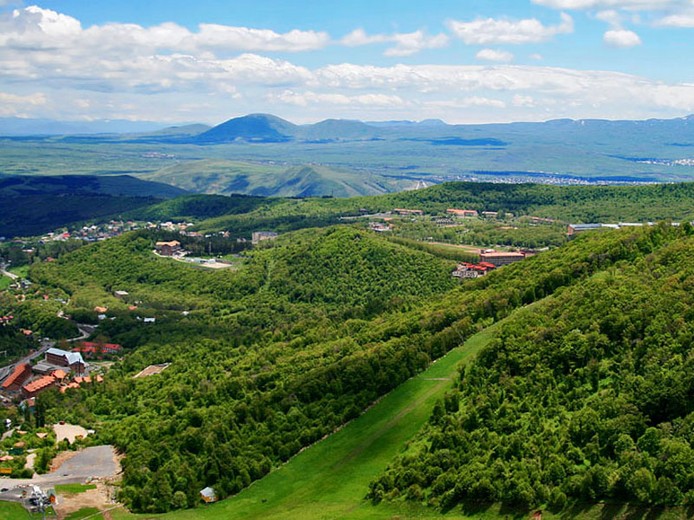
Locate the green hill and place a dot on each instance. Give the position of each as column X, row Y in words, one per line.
column 270, row 180
column 39, row 204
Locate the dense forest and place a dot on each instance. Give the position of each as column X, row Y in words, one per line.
column 586, row 395
column 270, row 358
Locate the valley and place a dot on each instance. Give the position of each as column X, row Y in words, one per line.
column 334, row 351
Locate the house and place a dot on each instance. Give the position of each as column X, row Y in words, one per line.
column 61, row 358
column 120, row 294
column 490, row 214
column 37, row 386
column 501, row 258
column 168, row 248
column 259, row 236
column 468, row 270
column 14, row 382
column 208, row 495
column 462, row 212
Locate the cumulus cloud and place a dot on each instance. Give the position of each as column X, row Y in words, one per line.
column 34, row 27
column 170, row 73
column 406, row 44
column 485, row 31
column 621, row 38
column 684, row 19
column 494, row 55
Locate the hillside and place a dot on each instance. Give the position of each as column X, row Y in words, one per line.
column 270, row 180
column 585, row 396
column 301, row 339
column 39, row 204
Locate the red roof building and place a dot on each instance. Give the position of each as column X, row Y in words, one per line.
column 92, row 349
column 14, row 382
column 39, row 385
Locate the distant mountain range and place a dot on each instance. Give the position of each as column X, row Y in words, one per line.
column 262, row 154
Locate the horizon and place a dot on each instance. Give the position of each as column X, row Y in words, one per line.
column 172, row 63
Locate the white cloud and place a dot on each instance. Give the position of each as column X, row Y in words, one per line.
column 406, row 44
column 34, row 27
column 16, row 105
column 485, row 31
column 621, row 38
column 684, row 19
column 494, row 55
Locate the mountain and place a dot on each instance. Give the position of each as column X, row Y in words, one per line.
column 263, row 128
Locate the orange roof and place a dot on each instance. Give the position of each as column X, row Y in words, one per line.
column 39, row 384
column 59, row 374
column 20, row 371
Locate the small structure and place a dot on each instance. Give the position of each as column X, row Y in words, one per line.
column 92, row 349
column 14, row 382
column 501, row 258
column 490, row 214
column 407, row 212
column 259, row 236
column 120, row 294
column 208, row 495
column 462, row 212
column 379, row 227
column 575, row 229
column 468, row 270
column 168, row 248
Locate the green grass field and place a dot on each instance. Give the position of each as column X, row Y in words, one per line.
column 330, row 479
column 4, row 282
column 73, row 489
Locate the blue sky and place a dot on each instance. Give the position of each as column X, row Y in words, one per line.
column 461, row 61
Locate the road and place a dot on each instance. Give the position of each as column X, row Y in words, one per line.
column 7, row 273
column 94, row 462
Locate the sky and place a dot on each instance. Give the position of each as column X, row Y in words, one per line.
column 464, row 61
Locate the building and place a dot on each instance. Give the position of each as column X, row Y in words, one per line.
column 120, row 294
column 16, row 379
column 208, row 495
column 468, row 270
column 91, row 349
column 501, row 258
column 462, row 212
column 37, row 386
column 168, row 248
column 405, row 212
column 575, row 229
column 259, row 236
column 61, row 358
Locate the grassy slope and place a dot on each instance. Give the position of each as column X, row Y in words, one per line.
column 330, row 479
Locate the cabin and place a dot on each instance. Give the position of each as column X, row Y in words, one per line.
column 407, row 212
column 208, row 495
column 168, row 248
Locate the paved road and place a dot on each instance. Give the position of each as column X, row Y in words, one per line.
column 97, row 461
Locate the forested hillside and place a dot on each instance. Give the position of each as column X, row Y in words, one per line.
column 586, row 395
column 566, row 203
column 272, row 357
